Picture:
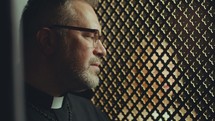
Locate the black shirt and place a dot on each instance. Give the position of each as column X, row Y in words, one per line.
column 75, row 107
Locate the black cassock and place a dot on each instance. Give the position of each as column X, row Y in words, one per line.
column 69, row 107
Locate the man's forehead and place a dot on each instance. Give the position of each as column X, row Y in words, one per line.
column 86, row 16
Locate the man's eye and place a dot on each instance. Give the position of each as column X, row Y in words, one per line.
column 89, row 38
column 89, row 35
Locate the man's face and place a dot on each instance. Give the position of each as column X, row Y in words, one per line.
column 80, row 57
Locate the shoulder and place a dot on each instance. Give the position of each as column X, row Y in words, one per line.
column 80, row 103
column 85, row 109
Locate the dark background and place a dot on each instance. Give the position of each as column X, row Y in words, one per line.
column 6, row 66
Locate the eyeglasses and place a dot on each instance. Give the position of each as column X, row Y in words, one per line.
column 96, row 36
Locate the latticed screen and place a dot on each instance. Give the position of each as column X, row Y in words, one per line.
column 160, row 60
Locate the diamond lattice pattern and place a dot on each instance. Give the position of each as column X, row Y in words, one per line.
column 160, row 60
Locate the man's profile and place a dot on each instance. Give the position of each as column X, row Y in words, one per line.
column 62, row 55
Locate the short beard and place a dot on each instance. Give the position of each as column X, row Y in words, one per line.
column 89, row 78
column 79, row 78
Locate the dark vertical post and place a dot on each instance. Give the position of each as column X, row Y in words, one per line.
column 11, row 86
column 6, row 93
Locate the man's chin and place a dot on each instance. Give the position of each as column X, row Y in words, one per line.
column 89, row 79
column 94, row 70
column 93, row 81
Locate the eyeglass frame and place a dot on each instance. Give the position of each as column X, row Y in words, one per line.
column 97, row 36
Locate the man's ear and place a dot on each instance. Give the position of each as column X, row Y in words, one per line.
column 47, row 41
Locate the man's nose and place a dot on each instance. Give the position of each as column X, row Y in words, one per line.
column 100, row 49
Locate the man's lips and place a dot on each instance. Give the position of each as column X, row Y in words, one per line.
column 96, row 64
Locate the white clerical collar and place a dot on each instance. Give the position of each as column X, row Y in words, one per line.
column 57, row 102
